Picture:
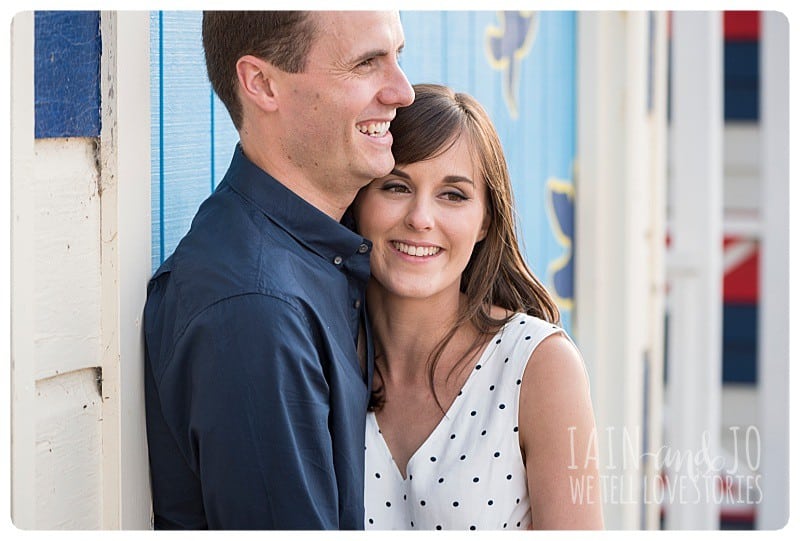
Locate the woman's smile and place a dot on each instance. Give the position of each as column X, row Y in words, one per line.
column 417, row 252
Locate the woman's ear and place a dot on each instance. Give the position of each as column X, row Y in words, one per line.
column 487, row 221
column 257, row 82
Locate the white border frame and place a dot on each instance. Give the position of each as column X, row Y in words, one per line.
column 23, row 381
column 773, row 319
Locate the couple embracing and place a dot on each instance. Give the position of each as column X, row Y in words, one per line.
column 348, row 337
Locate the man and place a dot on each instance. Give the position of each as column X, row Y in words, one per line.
column 255, row 393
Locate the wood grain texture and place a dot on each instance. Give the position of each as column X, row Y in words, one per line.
column 67, row 60
column 68, row 451
column 67, row 256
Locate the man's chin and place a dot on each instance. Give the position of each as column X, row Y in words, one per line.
column 379, row 172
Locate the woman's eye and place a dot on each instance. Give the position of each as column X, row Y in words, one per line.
column 455, row 196
column 395, row 188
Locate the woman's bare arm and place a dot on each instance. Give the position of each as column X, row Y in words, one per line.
column 558, row 439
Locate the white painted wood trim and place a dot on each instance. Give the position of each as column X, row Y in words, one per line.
column 593, row 280
column 23, row 471
column 773, row 324
column 125, row 238
column 614, row 306
column 695, row 325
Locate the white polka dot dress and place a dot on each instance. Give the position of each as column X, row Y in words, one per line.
column 469, row 473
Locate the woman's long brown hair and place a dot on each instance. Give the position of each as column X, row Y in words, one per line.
column 496, row 273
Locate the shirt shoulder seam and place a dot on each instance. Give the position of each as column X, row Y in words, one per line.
column 271, row 294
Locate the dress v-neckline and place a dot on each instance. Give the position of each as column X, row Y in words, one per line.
column 451, row 410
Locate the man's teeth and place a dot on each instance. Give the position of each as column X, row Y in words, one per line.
column 378, row 129
column 418, row 251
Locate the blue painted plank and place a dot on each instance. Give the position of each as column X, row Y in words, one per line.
column 156, row 163
column 67, row 73
column 185, row 123
column 458, row 31
column 181, row 174
column 486, row 87
column 192, row 135
column 741, row 80
column 422, row 56
column 739, row 343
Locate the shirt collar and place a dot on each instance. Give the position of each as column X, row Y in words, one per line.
column 307, row 224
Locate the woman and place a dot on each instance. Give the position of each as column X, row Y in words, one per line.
column 481, row 416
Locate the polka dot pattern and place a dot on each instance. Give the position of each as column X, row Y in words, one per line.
column 463, row 477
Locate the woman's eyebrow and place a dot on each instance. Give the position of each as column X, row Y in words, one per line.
column 455, row 179
column 449, row 179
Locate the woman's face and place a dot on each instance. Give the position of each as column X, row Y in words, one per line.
column 424, row 220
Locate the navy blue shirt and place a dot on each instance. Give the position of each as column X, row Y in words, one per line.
column 255, row 397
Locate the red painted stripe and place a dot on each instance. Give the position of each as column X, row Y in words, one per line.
column 740, row 284
column 736, row 25
column 742, row 25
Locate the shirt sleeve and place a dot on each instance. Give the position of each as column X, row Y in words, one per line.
column 247, row 397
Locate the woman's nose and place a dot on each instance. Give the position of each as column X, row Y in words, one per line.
column 420, row 216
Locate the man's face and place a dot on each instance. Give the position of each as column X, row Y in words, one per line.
column 335, row 114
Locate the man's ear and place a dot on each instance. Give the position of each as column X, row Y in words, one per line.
column 257, row 82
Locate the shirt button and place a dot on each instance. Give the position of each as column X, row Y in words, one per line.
column 357, row 304
column 363, row 249
column 337, row 260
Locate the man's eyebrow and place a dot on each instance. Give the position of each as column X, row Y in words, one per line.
column 376, row 53
column 370, row 54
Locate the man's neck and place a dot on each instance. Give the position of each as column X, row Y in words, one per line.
column 332, row 202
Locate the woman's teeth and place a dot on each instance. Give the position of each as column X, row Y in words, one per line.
column 417, row 251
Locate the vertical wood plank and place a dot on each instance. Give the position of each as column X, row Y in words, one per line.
column 185, row 124
column 695, row 324
column 67, row 265
column 422, row 57
column 69, row 452
column 156, row 143
column 125, row 242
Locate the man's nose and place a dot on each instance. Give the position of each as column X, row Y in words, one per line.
column 397, row 91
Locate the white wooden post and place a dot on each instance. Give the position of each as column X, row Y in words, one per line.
column 773, row 316
column 125, row 239
column 615, row 198
column 23, row 380
column 695, row 320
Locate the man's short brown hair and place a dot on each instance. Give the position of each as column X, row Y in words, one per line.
column 282, row 38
